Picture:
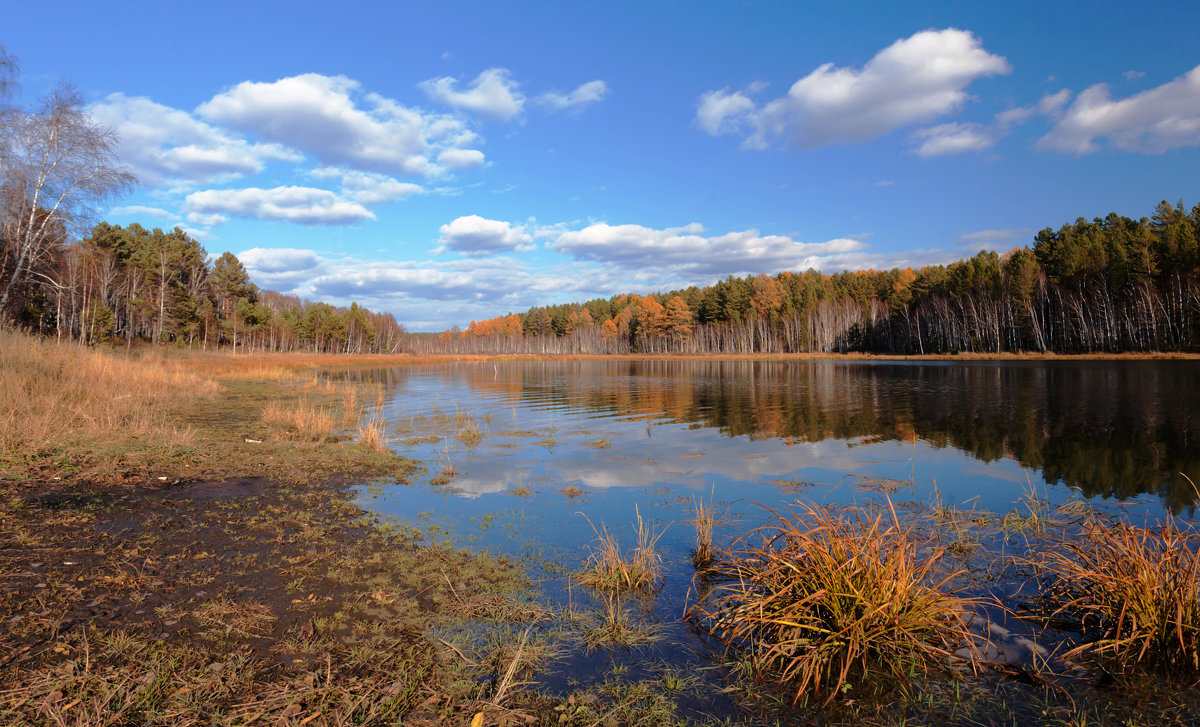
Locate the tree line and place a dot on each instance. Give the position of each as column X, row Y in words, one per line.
column 1111, row 284
column 130, row 283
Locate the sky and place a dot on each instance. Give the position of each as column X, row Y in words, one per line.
column 453, row 161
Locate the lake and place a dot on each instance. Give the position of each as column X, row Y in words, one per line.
column 531, row 458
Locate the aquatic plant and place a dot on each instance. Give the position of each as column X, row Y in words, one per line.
column 303, row 420
column 703, row 519
column 1133, row 592
column 372, row 434
column 818, row 597
column 609, row 569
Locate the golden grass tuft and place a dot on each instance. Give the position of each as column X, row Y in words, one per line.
column 372, row 434
column 609, row 569
column 1133, row 592
column 302, row 420
column 818, row 598
column 703, row 519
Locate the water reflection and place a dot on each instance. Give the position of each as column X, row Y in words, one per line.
column 1112, row 429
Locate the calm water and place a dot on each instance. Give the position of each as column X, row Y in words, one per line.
column 656, row 435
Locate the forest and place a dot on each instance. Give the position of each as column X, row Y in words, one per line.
column 1106, row 285
column 1111, row 284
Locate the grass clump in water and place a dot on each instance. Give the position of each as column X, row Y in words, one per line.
column 819, row 597
column 609, row 569
column 703, row 518
column 1133, row 592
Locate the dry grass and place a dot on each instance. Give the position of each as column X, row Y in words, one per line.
column 703, row 519
column 52, row 393
column 819, row 598
column 372, row 433
column 1134, row 593
column 302, row 420
column 609, row 569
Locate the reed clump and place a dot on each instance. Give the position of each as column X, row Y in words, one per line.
column 703, row 519
column 819, row 597
column 1133, row 592
column 372, row 434
column 303, row 420
column 609, row 569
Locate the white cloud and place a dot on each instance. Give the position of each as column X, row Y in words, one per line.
column 168, row 146
column 302, row 205
column 722, row 112
column 455, row 159
column 207, row 220
column 136, row 210
column 368, row 188
column 1132, row 75
column 1052, row 104
column 958, row 138
column 952, row 139
column 990, row 237
column 913, row 80
column 331, row 119
column 477, row 236
column 493, row 94
column 280, row 268
column 1151, row 122
column 587, row 93
column 688, row 252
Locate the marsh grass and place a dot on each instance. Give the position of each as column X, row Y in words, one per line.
column 302, row 420
column 372, row 434
column 618, row 628
column 819, row 598
column 1133, row 592
column 609, row 569
column 55, row 393
column 703, row 519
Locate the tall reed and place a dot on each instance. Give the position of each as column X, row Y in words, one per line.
column 704, row 519
column 817, row 598
column 1133, row 592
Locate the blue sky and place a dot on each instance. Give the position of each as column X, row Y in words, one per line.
column 453, row 161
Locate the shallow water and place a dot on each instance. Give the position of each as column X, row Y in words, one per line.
column 653, row 436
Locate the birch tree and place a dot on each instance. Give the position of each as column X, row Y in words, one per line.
column 58, row 168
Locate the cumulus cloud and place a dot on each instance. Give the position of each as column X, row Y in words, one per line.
column 913, row 80
column 498, row 281
column 368, row 188
column 168, row 146
column 493, row 94
column 959, row 138
column 207, row 220
column 688, row 251
column 477, row 236
column 302, row 205
column 953, row 139
column 722, row 112
column 455, row 159
column 137, row 210
column 281, row 268
column 1151, row 122
column 331, row 119
column 587, row 94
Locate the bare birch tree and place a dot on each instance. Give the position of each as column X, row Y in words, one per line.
column 57, row 170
